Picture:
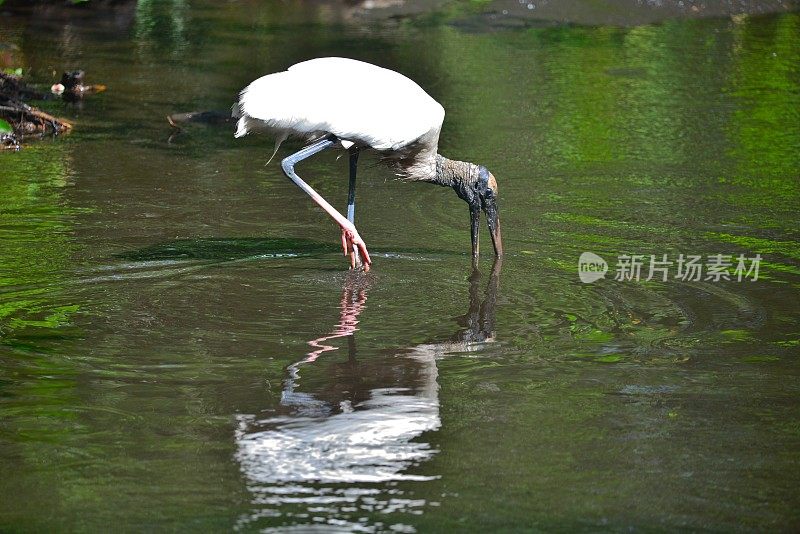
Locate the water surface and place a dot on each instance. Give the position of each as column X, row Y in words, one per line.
column 182, row 347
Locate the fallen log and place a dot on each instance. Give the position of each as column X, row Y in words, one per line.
column 25, row 120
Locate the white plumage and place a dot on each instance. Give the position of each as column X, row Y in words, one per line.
column 355, row 101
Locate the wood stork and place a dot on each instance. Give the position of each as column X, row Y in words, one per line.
column 355, row 105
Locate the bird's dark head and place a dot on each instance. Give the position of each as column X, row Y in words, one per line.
column 480, row 193
column 72, row 79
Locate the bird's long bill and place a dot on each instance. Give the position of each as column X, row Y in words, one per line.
column 493, row 221
column 475, row 221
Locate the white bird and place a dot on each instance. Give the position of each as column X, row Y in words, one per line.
column 355, row 105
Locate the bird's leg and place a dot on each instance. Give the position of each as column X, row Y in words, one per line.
column 351, row 200
column 350, row 238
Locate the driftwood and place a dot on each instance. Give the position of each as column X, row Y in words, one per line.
column 25, row 120
column 177, row 120
column 204, row 117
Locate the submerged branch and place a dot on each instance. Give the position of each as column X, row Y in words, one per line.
column 25, row 120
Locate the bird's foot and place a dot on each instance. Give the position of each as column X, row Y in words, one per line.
column 354, row 246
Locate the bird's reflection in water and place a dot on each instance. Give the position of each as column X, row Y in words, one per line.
column 354, row 296
column 325, row 457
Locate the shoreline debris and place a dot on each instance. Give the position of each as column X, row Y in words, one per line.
column 24, row 120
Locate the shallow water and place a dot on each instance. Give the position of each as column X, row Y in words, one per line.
column 182, row 347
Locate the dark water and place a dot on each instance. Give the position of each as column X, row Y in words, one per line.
column 181, row 346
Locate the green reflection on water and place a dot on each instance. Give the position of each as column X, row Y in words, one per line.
column 39, row 399
column 36, row 224
column 766, row 122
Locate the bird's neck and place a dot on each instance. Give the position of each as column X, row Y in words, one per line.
column 455, row 174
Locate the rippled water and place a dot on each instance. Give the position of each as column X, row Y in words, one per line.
column 182, row 347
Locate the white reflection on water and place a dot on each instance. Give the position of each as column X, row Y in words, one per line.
column 369, row 441
column 366, row 440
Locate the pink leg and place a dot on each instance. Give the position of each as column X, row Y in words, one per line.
column 351, row 241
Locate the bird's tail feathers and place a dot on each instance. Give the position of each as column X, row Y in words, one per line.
column 241, row 127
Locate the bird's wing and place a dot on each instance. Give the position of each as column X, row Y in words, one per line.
column 353, row 100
